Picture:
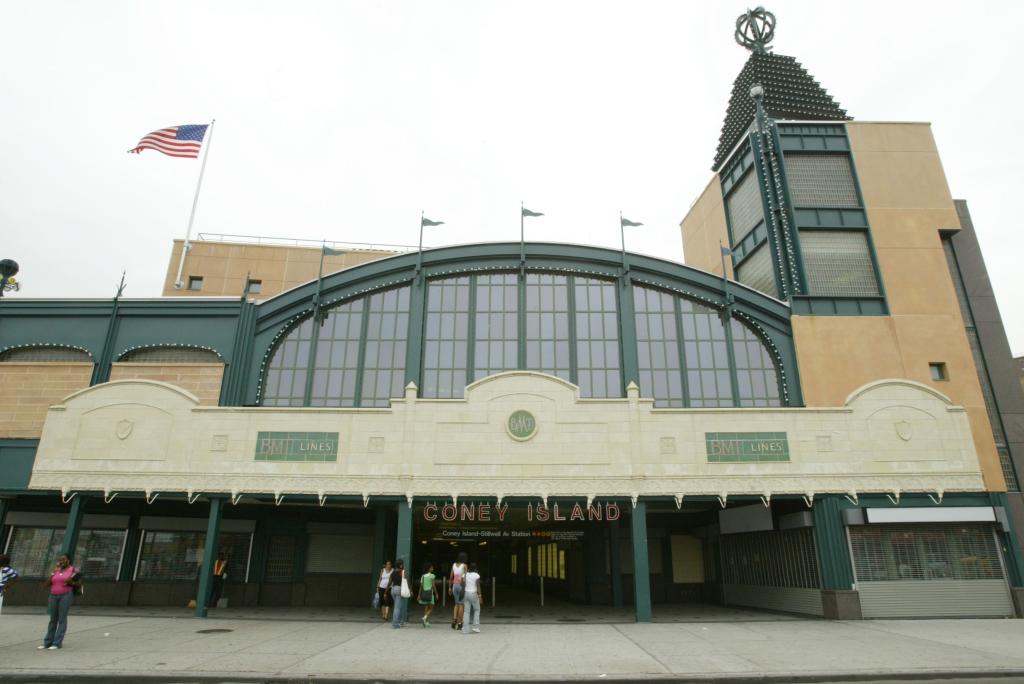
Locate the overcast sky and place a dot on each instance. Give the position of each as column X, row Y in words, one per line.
column 342, row 120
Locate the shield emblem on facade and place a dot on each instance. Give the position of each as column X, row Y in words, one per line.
column 123, row 428
column 905, row 430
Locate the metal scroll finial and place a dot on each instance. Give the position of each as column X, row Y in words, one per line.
column 755, row 29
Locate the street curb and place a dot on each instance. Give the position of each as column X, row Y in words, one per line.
column 775, row 678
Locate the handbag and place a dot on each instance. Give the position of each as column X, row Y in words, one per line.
column 406, row 593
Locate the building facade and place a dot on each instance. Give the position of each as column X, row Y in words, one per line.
column 823, row 429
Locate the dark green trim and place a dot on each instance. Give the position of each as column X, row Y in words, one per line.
column 641, row 569
column 839, row 306
column 211, row 549
column 132, row 541
column 73, row 526
column 786, row 211
column 783, row 285
column 5, row 505
column 834, row 563
column 471, row 332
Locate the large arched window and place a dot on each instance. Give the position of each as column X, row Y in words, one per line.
column 701, row 371
column 50, row 353
column 483, row 323
column 357, row 353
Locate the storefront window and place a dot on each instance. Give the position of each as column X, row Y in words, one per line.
column 177, row 555
column 34, row 551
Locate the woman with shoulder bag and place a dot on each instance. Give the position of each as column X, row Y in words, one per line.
column 400, row 593
column 63, row 582
column 383, row 595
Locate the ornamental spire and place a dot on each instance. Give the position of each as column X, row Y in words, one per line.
column 755, row 29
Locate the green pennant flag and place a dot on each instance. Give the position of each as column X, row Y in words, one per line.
column 527, row 212
column 333, row 252
column 427, row 222
column 627, row 222
column 725, row 251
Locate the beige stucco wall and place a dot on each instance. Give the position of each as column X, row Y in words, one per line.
column 223, row 267
column 704, row 227
column 908, row 203
column 142, row 435
column 28, row 389
column 201, row 379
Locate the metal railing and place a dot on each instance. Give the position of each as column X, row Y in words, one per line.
column 303, row 242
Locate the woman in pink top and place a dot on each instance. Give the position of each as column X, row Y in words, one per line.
column 62, row 583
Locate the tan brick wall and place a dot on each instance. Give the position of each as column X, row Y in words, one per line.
column 28, row 389
column 201, row 379
column 223, row 267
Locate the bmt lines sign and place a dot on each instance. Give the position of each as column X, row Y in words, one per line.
column 746, row 447
column 297, row 446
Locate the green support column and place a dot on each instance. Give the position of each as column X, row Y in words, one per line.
column 73, row 527
column 131, row 550
column 641, row 571
column 627, row 334
column 414, row 345
column 5, row 505
column 403, row 544
column 1011, row 550
column 379, row 541
column 615, row 562
column 210, row 550
column 830, row 542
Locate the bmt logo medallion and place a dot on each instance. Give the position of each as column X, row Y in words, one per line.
column 521, row 425
column 123, row 428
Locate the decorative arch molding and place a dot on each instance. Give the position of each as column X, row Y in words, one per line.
column 148, row 386
column 44, row 345
column 143, row 347
column 897, row 382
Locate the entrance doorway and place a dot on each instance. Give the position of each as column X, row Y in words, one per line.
column 530, row 557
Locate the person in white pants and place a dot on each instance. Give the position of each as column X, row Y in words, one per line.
column 471, row 601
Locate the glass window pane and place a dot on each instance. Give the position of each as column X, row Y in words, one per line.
column 447, row 336
column 597, row 337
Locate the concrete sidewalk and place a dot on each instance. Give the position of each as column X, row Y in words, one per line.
column 130, row 648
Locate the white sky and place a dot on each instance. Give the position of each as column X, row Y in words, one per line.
column 342, row 120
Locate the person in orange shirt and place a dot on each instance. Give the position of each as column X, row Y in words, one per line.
column 220, row 575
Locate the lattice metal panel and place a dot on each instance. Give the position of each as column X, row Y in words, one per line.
column 744, row 206
column 771, row 559
column 38, row 354
column 171, row 355
column 280, row 559
column 925, row 552
column 817, row 180
column 838, row 264
column 758, row 272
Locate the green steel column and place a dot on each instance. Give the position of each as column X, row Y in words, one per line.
column 641, row 571
column 73, row 527
column 403, row 545
column 627, row 334
column 210, row 550
column 1011, row 549
column 379, row 529
column 414, row 345
column 5, row 505
column 615, row 562
column 131, row 550
column 830, row 541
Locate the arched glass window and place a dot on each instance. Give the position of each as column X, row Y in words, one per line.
column 599, row 372
column 662, row 320
column 756, row 376
column 547, row 324
column 496, row 324
column 446, row 340
column 360, row 353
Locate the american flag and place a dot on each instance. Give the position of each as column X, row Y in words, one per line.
column 176, row 141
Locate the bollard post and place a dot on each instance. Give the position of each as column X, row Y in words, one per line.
column 542, row 591
column 494, row 589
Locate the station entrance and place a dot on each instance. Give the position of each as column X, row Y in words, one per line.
column 529, row 555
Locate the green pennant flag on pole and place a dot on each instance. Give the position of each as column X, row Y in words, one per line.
column 424, row 221
column 333, row 252
column 627, row 223
column 527, row 212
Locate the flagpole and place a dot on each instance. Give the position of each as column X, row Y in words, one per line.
column 522, row 236
column 319, row 280
column 195, row 202
column 419, row 254
column 622, row 235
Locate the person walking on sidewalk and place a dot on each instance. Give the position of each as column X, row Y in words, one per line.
column 457, row 588
column 8, row 576
column 472, row 601
column 426, row 592
column 396, row 585
column 62, row 583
